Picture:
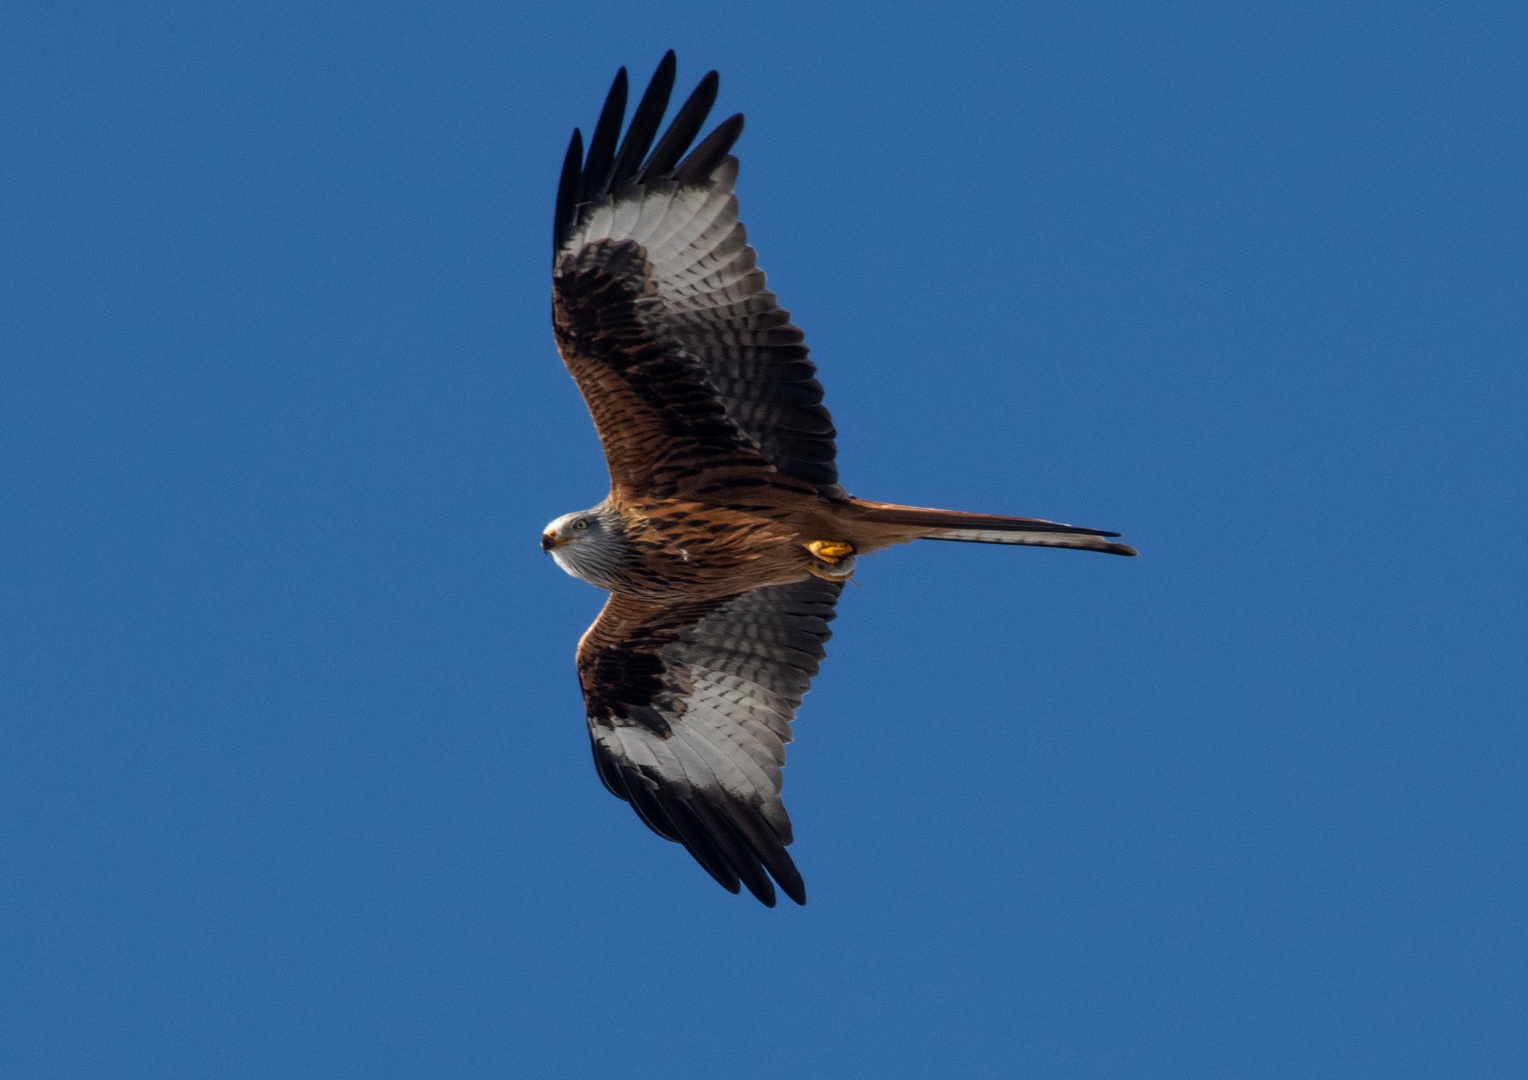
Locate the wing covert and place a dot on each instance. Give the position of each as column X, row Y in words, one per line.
column 689, row 710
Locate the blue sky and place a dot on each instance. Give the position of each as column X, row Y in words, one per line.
column 293, row 773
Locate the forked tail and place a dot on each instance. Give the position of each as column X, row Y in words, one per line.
column 988, row 528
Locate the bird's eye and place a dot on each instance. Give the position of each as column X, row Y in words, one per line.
column 580, row 524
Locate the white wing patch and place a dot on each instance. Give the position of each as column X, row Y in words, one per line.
column 697, row 249
column 730, row 739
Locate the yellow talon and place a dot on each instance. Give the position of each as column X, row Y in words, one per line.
column 830, row 551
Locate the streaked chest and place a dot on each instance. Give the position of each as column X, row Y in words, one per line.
column 692, row 549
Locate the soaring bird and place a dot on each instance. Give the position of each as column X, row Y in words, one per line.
column 726, row 538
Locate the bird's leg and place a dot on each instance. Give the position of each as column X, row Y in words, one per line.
column 830, row 551
column 840, row 569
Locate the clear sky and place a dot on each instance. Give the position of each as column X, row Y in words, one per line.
column 294, row 780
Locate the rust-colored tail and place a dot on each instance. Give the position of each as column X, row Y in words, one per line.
column 989, row 528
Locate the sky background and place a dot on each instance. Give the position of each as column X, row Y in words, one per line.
column 294, row 780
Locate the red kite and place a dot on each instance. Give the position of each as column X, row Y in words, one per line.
column 726, row 537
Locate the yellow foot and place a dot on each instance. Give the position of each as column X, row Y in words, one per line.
column 833, row 560
column 830, row 551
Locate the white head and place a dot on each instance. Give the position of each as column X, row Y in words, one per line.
column 588, row 544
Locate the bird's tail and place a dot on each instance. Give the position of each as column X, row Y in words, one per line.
column 927, row 524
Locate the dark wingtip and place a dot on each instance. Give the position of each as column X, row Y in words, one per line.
column 712, row 151
column 644, row 124
column 1121, row 549
column 613, row 161
column 567, row 190
column 682, row 129
column 796, row 890
column 602, row 143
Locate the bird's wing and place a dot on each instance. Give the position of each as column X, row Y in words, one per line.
column 696, row 379
column 689, row 712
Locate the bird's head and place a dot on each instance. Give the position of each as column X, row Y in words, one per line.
column 587, row 544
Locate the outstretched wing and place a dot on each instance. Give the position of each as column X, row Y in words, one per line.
column 697, row 381
column 689, row 712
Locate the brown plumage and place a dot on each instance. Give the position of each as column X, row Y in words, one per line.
column 726, row 537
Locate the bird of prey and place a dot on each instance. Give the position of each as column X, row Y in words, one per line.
column 726, row 538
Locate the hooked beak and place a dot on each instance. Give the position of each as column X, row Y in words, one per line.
column 550, row 540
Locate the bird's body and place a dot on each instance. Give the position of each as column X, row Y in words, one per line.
column 678, row 551
column 726, row 537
